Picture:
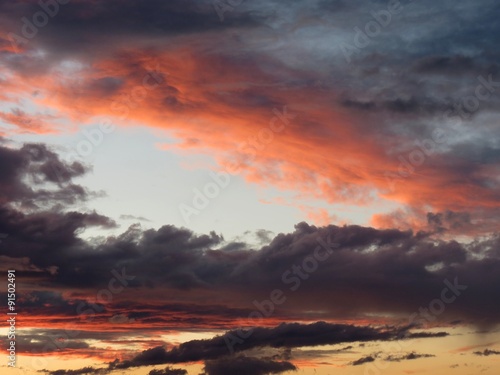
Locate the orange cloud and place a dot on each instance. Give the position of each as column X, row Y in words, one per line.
column 285, row 135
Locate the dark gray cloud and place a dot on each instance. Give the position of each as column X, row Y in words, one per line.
column 390, row 358
column 418, row 335
column 362, row 361
column 78, row 28
column 27, row 173
column 443, row 221
column 286, row 335
column 52, row 303
column 246, row 366
column 168, row 371
column 458, row 64
column 82, row 371
column 487, row 352
column 219, row 360
column 407, row 357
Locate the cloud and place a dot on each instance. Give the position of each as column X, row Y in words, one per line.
column 407, row 357
column 445, row 65
column 377, row 116
column 487, row 352
column 184, row 268
column 362, row 361
column 187, row 267
column 417, row 335
column 221, row 85
column 390, row 358
column 168, row 371
column 26, row 172
column 115, row 20
column 37, row 123
column 286, row 335
column 132, row 217
column 120, row 318
column 246, row 366
column 82, row 371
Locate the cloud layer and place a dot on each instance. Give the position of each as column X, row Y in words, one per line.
column 414, row 116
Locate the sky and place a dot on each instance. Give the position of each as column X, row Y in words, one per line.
column 211, row 187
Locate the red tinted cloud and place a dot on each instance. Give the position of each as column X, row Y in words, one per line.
column 234, row 106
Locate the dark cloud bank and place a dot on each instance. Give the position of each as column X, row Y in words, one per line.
column 390, row 270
